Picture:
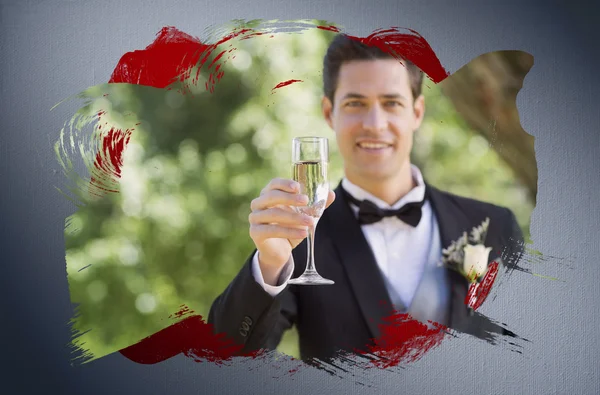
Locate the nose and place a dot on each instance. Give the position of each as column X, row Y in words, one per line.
column 375, row 119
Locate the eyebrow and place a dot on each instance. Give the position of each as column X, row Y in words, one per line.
column 386, row 96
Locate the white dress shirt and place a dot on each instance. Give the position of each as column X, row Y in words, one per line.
column 401, row 251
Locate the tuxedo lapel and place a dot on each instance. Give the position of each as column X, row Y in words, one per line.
column 452, row 222
column 358, row 261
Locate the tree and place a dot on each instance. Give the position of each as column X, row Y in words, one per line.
column 484, row 93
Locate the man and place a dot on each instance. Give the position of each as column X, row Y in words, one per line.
column 373, row 103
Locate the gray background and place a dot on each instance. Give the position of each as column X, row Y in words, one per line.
column 53, row 49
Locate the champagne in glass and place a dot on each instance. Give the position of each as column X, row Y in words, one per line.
column 310, row 157
column 312, row 176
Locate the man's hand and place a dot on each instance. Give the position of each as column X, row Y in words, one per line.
column 276, row 228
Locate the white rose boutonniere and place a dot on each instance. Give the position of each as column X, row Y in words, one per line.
column 475, row 263
column 468, row 255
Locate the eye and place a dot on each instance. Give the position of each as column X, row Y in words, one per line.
column 353, row 103
column 393, row 103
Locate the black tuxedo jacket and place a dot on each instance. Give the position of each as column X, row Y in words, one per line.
column 346, row 316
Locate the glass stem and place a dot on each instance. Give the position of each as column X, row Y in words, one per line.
column 310, row 264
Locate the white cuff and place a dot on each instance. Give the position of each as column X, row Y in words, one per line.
column 284, row 277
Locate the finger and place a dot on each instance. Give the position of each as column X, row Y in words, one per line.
column 279, row 216
column 276, row 197
column 289, row 209
column 281, row 184
column 263, row 232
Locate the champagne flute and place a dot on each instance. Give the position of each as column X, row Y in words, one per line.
column 310, row 157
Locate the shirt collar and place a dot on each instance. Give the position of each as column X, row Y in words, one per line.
column 416, row 194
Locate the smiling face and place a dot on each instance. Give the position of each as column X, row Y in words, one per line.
column 374, row 116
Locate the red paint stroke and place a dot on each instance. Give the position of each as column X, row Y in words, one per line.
column 109, row 160
column 329, row 28
column 411, row 46
column 285, row 83
column 170, row 58
column 183, row 311
column 478, row 292
column 193, row 337
column 172, row 54
column 404, row 340
column 247, row 36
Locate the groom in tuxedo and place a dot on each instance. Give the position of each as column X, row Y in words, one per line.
column 380, row 239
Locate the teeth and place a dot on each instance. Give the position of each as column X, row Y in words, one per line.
column 373, row 145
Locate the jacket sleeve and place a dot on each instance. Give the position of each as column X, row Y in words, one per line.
column 249, row 315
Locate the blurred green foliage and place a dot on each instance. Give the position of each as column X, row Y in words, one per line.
column 176, row 233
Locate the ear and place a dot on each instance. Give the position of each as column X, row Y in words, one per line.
column 419, row 111
column 327, row 109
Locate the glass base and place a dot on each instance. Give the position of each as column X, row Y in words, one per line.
column 310, row 278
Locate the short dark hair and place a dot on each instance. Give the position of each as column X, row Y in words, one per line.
column 345, row 49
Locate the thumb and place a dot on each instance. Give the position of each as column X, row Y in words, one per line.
column 330, row 198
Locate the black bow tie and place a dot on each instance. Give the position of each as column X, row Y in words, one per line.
column 369, row 213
